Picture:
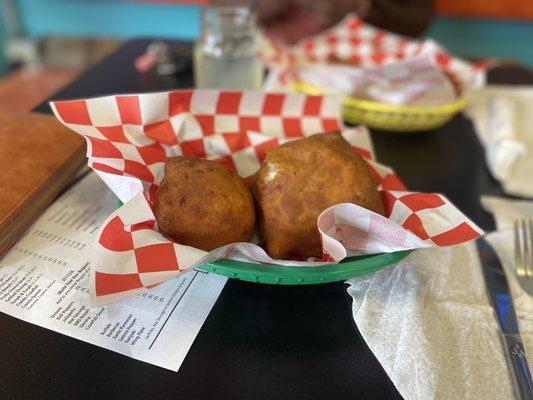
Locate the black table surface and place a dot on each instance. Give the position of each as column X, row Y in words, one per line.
column 260, row 341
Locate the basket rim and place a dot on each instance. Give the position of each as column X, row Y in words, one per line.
column 449, row 108
column 293, row 275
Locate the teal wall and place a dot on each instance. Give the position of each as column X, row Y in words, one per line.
column 109, row 18
column 469, row 38
column 484, row 38
column 3, row 39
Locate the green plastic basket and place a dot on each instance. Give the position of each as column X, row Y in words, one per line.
column 283, row 275
column 287, row 275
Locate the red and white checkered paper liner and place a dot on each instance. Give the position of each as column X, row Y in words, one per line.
column 130, row 136
column 354, row 41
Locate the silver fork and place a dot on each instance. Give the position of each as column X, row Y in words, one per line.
column 523, row 250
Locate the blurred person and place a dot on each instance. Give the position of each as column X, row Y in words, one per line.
column 291, row 20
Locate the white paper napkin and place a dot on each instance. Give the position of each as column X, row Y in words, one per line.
column 502, row 119
column 429, row 323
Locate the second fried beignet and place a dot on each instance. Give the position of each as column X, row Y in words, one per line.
column 298, row 181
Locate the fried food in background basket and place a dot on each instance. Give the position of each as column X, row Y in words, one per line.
column 298, row 181
column 202, row 204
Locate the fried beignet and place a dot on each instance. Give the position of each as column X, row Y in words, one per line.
column 298, row 181
column 203, row 204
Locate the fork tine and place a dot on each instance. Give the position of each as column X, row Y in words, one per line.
column 529, row 254
column 524, row 246
column 518, row 250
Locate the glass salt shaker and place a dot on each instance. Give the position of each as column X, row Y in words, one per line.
column 225, row 56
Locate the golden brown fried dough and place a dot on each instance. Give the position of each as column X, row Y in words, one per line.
column 203, row 204
column 298, row 181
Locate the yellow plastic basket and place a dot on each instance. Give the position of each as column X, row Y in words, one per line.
column 393, row 118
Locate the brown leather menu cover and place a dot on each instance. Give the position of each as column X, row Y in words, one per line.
column 38, row 157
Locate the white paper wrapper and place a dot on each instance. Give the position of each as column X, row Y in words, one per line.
column 416, row 81
column 365, row 47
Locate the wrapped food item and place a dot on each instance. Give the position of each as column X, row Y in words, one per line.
column 300, row 179
column 417, row 81
column 202, row 204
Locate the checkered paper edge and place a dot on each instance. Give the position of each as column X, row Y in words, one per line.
column 129, row 138
column 354, row 41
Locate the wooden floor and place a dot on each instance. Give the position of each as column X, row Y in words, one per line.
column 26, row 87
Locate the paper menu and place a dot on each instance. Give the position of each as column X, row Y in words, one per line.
column 44, row 280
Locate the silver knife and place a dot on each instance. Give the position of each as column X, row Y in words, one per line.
column 502, row 302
